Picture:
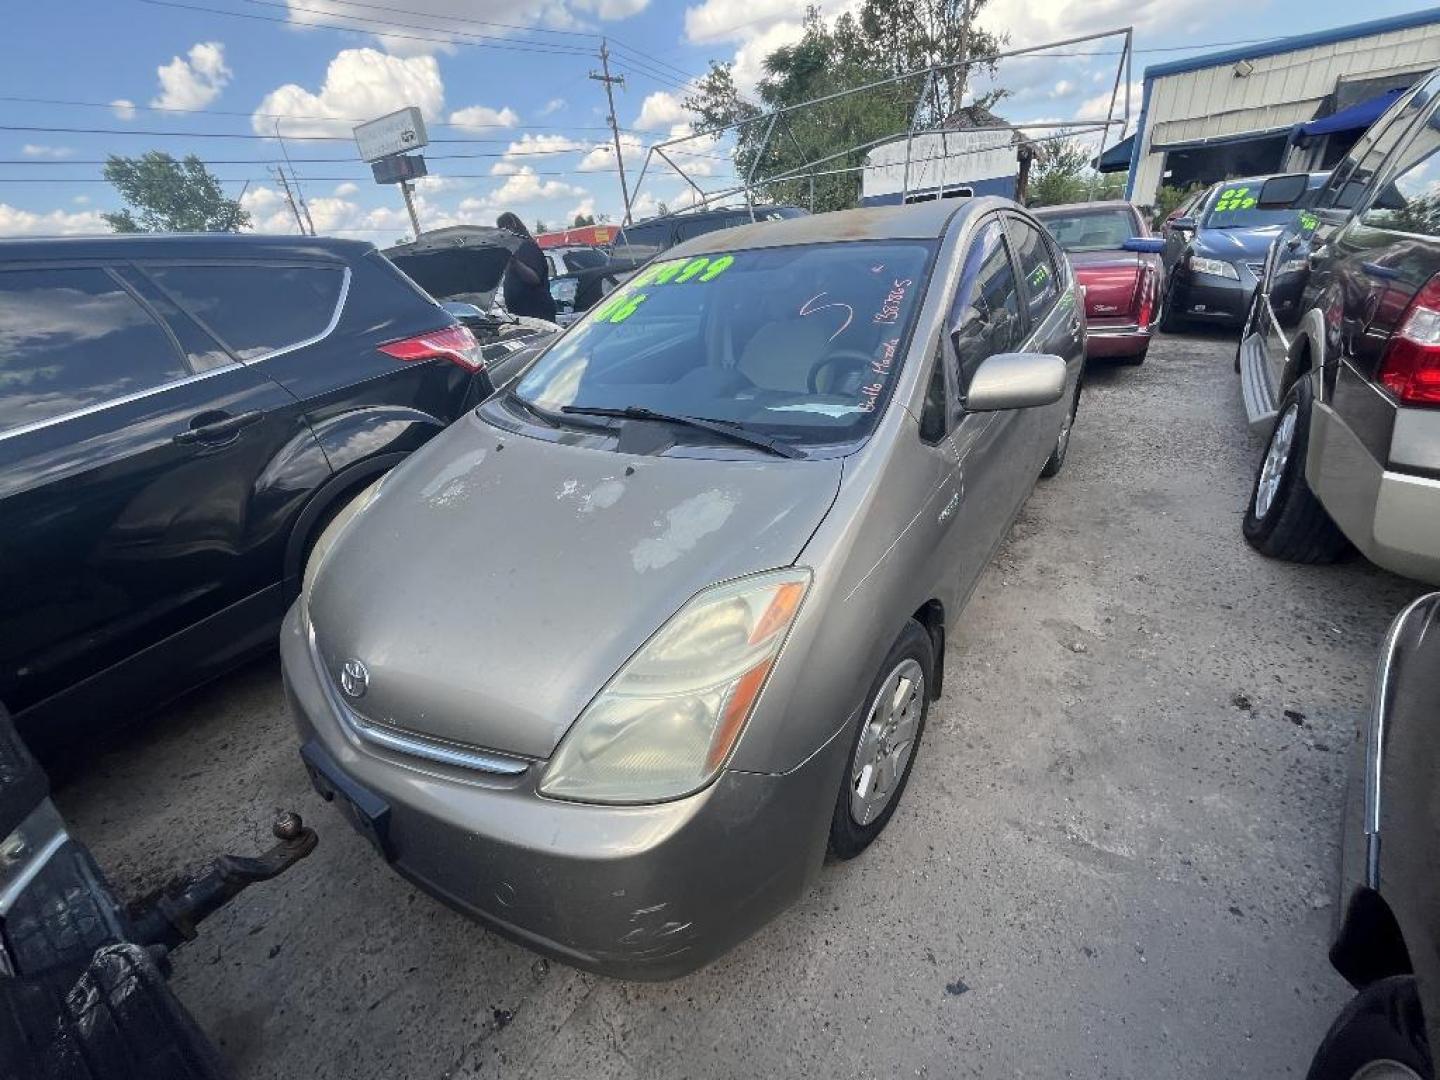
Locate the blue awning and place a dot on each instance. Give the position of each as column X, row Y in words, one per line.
column 1356, row 117
column 1117, row 158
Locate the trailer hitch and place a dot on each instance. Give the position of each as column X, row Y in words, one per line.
column 168, row 916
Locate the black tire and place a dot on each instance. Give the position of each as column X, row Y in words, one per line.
column 1170, row 322
column 1056, row 461
column 1294, row 527
column 849, row 837
column 1138, row 358
column 1382, row 1023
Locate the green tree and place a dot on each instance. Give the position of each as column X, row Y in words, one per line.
column 1063, row 174
column 581, row 220
column 1168, row 198
column 883, row 38
column 165, row 195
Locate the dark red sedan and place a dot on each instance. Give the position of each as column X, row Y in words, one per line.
column 1118, row 264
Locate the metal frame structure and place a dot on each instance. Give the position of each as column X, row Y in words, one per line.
column 752, row 184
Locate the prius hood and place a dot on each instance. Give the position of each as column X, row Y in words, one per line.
column 496, row 582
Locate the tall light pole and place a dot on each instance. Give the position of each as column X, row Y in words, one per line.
column 609, row 80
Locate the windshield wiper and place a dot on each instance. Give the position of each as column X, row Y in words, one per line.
column 725, row 428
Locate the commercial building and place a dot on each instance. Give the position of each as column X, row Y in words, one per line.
column 1293, row 104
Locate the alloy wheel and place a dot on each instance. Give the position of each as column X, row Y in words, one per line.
column 887, row 741
column 1277, row 456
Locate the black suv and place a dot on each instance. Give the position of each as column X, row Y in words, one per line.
column 1347, row 386
column 179, row 418
column 644, row 240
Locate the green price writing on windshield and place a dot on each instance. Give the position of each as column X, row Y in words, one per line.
column 683, row 270
column 1308, row 221
column 1234, row 199
column 620, row 309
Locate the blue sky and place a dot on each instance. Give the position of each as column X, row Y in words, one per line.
column 503, row 82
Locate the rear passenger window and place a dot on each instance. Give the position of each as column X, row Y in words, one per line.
column 1409, row 201
column 255, row 310
column 986, row 317
column 1036, row 267
column 70, row 339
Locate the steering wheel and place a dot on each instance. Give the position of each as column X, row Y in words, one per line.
column 853, row 358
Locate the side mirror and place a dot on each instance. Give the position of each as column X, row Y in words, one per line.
column 1282, row 192
column 1145, row 245
column 1183, row 224
column 1016, row 381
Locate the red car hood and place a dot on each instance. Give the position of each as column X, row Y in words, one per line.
column 1111, row 280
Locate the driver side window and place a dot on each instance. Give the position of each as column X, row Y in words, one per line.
column 986, row 316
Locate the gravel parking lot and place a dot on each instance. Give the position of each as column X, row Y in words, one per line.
column 1114, row 858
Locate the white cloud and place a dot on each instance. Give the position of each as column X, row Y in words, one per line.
column 601, row 157
column 124, row 108
column 81, row 200
column 660, row 110
column 585, row 208
column 554, row 105
column 17, row 222
column 1031, row 22
column 523, row 187
column 195, row 82
column 738, row 20
column 346, row 189
column 359, row 84
column 481, row 117
column 530, row 146
column 36, row 150
column 750, row 55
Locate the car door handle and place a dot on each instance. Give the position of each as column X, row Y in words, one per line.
column 211, row 427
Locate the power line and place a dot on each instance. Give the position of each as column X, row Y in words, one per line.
column 41, row 129
column 492, row 43
column 284, row 116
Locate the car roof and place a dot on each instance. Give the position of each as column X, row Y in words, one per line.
column 183, row 246
column 913, row 221
column 1071, row 208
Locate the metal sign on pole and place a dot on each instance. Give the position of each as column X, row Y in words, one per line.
column 386, row 143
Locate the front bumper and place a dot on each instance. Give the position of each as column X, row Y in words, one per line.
column 1392, row 517
column 1207, row 298
column 636, row 892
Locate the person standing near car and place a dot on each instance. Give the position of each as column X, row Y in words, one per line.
column 527, row 277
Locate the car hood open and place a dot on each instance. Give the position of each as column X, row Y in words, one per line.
column 496, row 582
column 462, row 262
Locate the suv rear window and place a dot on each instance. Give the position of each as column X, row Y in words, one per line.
column 643, row 241
column 74, row 338
column 255, row 310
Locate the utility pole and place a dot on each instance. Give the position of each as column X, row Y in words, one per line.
column 408, row 192
column 279, row 174
column 609, row 81
column 300, row 195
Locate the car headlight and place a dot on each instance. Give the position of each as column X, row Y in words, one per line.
column 1294, row 266
column 332, row 531
column 666, row 723
column 1213, row 267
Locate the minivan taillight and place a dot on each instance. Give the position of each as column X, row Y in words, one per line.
column 1410, row 368
column 454, row 343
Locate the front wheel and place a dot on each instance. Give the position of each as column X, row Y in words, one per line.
column 1284, row 518
column 883, row 751
column 1056, row 461
column 1380, row 1035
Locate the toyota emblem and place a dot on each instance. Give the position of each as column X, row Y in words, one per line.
column 354, row 678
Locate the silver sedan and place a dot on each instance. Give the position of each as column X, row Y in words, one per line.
column 614, row 662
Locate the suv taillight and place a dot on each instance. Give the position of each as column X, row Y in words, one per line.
column 1410, row 368
column 453, row 343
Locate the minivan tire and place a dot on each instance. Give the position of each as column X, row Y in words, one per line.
column 1293, row 525
column 1381, row 1024
column 849, row 837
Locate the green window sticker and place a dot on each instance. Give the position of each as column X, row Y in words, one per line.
column 1234, row 199
column 1308, row 221
column 679, row 271
column 621, row 308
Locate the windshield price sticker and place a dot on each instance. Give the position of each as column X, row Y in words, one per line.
column 1308, row 221
column 676, row 272
column 1234, row 199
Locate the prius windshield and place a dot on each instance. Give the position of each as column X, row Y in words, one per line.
column 800, row 343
